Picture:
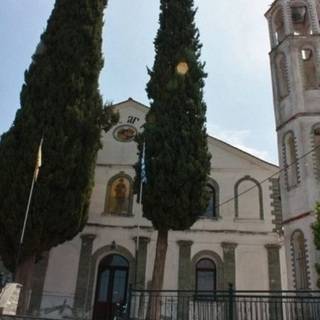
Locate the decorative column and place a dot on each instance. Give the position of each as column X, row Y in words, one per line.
column 185, row 277
column 140, row 272
column 274, row 269
column 141, row 262
column 81, row 293
column 275, row 311
column 229, row 264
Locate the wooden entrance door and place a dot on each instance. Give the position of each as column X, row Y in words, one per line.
column 111, row 289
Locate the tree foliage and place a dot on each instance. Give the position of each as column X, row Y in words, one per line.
column 60, row 101
column 176, row 157
column 316, row 232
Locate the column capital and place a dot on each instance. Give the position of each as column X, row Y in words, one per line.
column 142, row 239
column 271, row 246
column 229, row 245
column 88, row 236
column 185, row 243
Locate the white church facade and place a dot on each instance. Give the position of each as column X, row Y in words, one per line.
column 256, row 232
column 237, row 240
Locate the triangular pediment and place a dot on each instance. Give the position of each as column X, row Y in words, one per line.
column 224, row 155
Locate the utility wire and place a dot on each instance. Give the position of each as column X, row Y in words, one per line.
column 267, row 179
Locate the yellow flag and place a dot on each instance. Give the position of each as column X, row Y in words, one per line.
column 39, row 160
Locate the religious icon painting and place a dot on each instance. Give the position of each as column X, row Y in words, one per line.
column 125, row 133
column 118, row 197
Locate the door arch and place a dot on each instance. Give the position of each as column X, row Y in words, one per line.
column 112, row 286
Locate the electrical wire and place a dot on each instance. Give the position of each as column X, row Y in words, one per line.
column 267, row 179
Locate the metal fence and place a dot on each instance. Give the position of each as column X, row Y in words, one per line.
column 223, row 305
column 186, row 305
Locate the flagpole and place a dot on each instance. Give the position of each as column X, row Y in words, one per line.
column 34, row 178
column 138, row 217
column 24, row 224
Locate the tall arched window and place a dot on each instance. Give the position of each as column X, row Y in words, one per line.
column 206, row 276
column 278, row 26
column 299, row 260
column 282, row 75
column 290, row 157
column 119, row 195
column 212, row 210
column 300, row 18
column 315, row 133
column 318, row 9
column 248, row 199
column 309, row 71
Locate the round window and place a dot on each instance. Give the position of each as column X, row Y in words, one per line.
column 125, row 133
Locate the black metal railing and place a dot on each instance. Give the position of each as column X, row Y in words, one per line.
column 223, row 305
column 185, row 305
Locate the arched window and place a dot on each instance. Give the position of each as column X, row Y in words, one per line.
column 290, row 157
column 278, row 26
column 318, row 11
column 299, row 260
column 309, row 71
column 315, row 133
column 300, row 18
column 248, row 199
column 112, row 285
column 206, row 276
column 119, row 195
column 282, row 76
column 212, row 210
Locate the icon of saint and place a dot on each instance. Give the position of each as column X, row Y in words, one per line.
column 120, row 196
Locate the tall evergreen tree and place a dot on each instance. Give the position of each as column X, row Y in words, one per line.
column 316, row 234
column 60, row 101
column 177, row 161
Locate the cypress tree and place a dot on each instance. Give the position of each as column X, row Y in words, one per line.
column 316, row 235
column 60, row 101
column 177, row 161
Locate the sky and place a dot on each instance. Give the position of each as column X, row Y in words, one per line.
column 235, row 40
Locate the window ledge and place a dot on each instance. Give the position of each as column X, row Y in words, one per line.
column 114, row 215
column 246, row 220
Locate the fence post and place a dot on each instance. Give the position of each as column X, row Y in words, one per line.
column 129, row 301
column 231, row 301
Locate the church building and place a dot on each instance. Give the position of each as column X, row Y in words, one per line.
column 236, row 240
column 256, row 231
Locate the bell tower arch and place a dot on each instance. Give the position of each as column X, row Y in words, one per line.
column 295, row 67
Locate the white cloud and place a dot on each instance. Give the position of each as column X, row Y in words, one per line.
column 237, row 138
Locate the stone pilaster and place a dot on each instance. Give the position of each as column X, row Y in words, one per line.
column 229, row 263
column 185, row 277
column 275, row 311
column 81, row 293
column 274, row 266
column 185, row 267
column 141, row 261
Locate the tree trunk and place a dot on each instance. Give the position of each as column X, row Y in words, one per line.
column 154, row 307
column 24, row 276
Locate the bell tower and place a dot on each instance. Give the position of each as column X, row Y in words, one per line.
column 295, row 67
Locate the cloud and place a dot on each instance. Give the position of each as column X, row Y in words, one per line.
column 237, row 138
